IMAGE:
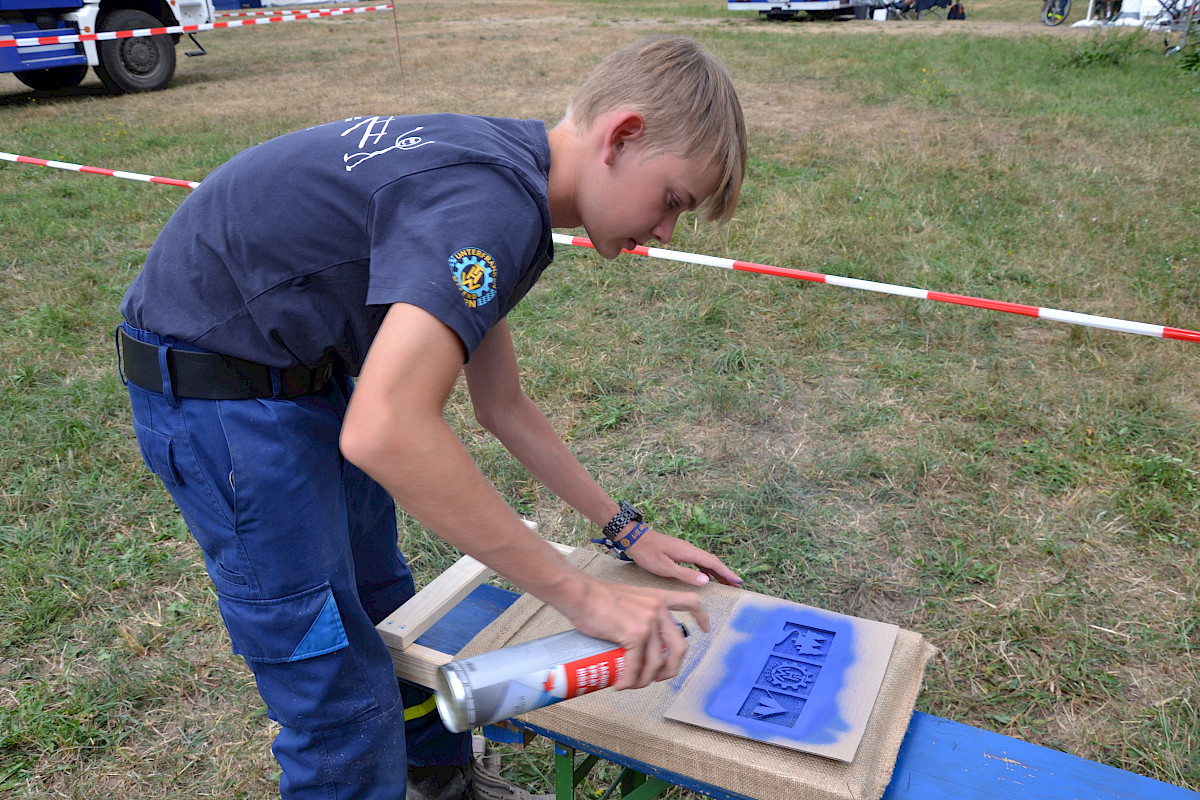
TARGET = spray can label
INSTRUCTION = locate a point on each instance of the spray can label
(584, 675)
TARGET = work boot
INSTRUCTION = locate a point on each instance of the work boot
(439, 783)
(478, 779)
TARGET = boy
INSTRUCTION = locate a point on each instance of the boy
(391, 249)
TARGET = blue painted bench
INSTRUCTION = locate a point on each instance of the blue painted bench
(938, 760)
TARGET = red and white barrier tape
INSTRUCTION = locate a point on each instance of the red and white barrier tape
(273, 11)
(1070, 317)
(112, 173)
(284, 16)
(226, 14)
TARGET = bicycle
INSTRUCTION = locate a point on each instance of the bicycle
(1178, 20)
(1054, 12)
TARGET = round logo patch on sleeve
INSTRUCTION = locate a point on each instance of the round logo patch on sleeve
(474, 271)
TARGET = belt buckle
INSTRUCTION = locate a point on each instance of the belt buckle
(318, 377)
(300, 381)
(322, 375)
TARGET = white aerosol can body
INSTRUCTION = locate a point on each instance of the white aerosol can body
(494, 686)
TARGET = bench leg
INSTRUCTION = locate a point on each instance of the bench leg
(567, 775)
(636, 786)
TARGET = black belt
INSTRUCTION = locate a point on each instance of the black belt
(211, 376)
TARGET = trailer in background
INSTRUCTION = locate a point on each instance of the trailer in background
(787, 9)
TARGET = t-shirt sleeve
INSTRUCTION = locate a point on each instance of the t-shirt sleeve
(455, 241)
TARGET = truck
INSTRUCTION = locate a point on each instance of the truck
(136, 64)
(787, 9)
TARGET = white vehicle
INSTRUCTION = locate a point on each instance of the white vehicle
(136, 64)
(786, 9)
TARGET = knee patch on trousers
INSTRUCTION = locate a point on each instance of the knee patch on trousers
(298, 650)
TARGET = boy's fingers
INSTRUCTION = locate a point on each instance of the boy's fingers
(683, 574)
(642, 664)
(632, 666)
(715, 568)
(668, 554)
(675, 647)
(686, 601)
(664, 652)
(659, 654)
(700, 615)
(724, 575)
(653, 660)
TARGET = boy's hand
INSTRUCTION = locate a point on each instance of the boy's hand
(664, 555)
(638, 619)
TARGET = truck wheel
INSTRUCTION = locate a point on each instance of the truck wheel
(52, 77)
(140, 64)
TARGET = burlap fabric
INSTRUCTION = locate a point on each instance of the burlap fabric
(631, 723)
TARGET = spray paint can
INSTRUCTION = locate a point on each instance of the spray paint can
(494, 686)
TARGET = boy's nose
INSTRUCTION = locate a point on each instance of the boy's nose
(665, 229)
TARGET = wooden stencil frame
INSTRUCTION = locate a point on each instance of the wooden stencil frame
(401, 629)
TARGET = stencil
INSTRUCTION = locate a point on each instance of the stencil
(801, 641)
(776, 709)
(790, 675)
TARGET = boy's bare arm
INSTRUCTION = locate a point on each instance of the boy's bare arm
(505, 410)
(395, 432)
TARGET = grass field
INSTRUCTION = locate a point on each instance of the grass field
(1024, 493)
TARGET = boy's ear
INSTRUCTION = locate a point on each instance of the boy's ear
(623, 129)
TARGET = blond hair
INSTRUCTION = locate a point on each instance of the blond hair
(688, 104)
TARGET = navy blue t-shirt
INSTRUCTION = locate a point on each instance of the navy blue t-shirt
(295, 248)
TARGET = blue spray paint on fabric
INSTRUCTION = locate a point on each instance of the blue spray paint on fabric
(783, 677)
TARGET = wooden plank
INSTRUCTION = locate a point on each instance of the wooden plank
(419, 664)
(401, 628)
(404, 625)
(460, 623)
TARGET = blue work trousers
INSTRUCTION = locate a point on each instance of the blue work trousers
(302, 548)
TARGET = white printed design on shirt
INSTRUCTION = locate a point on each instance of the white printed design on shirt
(374, 129)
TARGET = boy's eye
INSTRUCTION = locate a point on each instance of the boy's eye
(672, 201)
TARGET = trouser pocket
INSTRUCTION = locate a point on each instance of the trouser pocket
(308, 675)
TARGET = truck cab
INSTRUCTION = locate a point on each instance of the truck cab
(136, 64)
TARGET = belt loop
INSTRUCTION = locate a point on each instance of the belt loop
(120, 367)
(164, 367)
(277, 383)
